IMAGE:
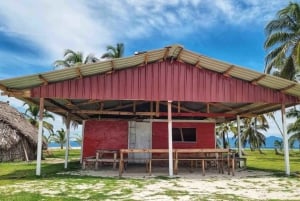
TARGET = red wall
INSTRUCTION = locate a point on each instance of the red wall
(104, 135)
(99, 134)
(205, 135)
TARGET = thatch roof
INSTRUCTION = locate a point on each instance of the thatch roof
(13, 126)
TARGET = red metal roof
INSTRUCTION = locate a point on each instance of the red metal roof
(162, 81)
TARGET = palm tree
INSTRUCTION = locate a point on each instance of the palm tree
(78, 139)
(283, 42)
(223, 130)
(72, 58)
(114, 52)
(32, 114)
(60, 137)
(252, 132)
(294, 128)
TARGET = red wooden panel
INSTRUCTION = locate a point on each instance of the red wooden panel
(104, 135)
(163, 81)
(205, 135)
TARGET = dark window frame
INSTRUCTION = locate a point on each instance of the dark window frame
(184, 135)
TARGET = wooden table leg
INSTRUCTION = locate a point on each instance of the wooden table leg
(203, 167)
(96, 163)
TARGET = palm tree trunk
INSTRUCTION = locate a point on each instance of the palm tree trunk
(224, 140)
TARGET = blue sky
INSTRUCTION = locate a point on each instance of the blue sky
(33, 34)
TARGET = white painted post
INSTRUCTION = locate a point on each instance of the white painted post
(285, 141)
(82, 134)
(40, 134)
(239, 135)
(67, 141)
(170, 138)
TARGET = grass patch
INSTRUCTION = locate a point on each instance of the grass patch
(271, 162)
(19, 182)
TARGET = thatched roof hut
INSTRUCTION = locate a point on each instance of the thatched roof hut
(18, 138)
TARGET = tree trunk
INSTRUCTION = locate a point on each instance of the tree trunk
(224, 140)
(61, 146)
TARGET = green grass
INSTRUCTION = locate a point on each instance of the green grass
(53, 186)
(269, 161)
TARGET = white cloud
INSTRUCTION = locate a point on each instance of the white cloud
(89, 26)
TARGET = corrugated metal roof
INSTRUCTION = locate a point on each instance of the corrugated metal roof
(175, 52)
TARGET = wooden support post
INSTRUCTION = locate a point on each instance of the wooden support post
(178, 107)
(157, 109)
(40, 133)
(151, 109)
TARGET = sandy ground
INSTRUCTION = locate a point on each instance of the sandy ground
(246, 184)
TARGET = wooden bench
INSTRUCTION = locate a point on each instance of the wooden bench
(88, 160)
(241, 159)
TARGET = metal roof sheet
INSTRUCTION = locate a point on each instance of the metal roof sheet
(175, 52)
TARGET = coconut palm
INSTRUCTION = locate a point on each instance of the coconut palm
(252, 134)
(114, 52)
(78, 139)
(223, 130)
(59, 137)
(32, 114)
(283, 42)
(72, 58)
(294, 128)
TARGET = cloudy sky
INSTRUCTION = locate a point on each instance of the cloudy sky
(33, 33)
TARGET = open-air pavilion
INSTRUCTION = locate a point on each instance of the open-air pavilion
(171, 85)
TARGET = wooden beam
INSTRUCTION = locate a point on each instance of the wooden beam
(255, 81)
(101, 106)
(134, 107)
(253, 109)
(166, 53)
(112, 65)
(157, 109)
(198, 114)
(179, 54)
(221, 106)
(151, 109)
(207, 108)
(181, 107)
(227, 72)
(67, 110)
(3, 88)
(197, 64)
(88, 102)
(146, 59)
(178, 107)
(123, 113)
(44, 80)
(17, 93)
(287, 88)
(78, 71)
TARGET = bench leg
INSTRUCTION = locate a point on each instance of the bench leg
(203, 167)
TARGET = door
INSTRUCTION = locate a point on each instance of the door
(140, 137)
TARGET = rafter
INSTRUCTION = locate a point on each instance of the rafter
(287, 88)
(179, 54)
(112, 65)
(78, 71)
(197, 64)
(255, 81)
(64, 108)
(43, 79)
(146, 59)
(3, 88)
(227, 71)
(166, 53)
